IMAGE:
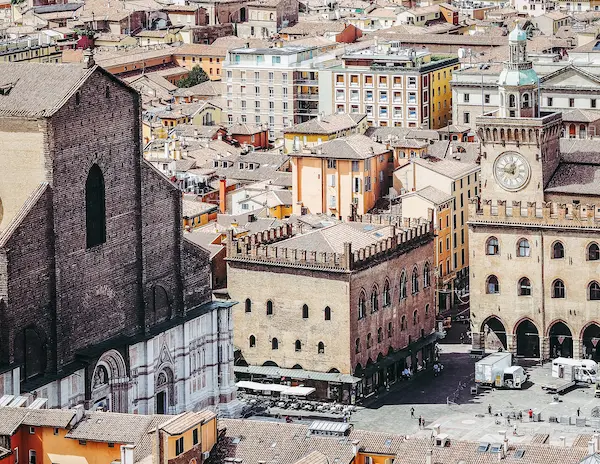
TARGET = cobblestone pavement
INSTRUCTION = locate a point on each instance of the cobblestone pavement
(467, 417)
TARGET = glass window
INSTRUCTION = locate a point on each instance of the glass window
(524, 287)
(492, 284)
(558, 250)
(558, 289)
(523, 248)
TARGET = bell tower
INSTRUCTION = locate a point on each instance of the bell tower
(520, 145)
(518, 82)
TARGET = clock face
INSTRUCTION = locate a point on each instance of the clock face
(512, 171)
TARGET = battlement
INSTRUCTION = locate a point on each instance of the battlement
(493, 129)
(545, 214)
(261, 248)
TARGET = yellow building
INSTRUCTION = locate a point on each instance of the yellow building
(159, 37)
(322, 129)
(210, 58)
(393, 86)
(459, 181)
(342, 177)
(20, 51)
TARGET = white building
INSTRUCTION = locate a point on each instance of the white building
(278, 86)
(258, 196)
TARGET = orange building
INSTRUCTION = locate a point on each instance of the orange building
(342, 177)
(51, 436)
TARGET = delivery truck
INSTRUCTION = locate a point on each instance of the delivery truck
(567, 373)
(580, 370)
(497, 370)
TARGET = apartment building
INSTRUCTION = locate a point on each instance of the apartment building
(460, 181)
(342, 177)
(393, 86)
(277, 86)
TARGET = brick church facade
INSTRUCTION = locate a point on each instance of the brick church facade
(102, 299)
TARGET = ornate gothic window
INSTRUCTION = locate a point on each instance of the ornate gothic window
(403, 282)
(362, 303)
(426, 275)
(593, 252)
(374, 299)
(594, 291)
(558, 250)
(387, 298)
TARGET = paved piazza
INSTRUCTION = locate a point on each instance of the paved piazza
(468, 418)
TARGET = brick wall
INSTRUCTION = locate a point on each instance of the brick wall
(30, 283)
(376, 275)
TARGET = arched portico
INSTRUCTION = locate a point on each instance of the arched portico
(494, 334)
(110, 383)
(590, 336)
(560, 339)
(527, 338)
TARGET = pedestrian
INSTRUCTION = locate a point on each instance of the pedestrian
(578, 411)
(515, 429)
(490, 409)
(421, 422)
(412, 413)
(508, 420)
(530, 414)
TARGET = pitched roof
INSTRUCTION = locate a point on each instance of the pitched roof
(38, 90)
(111, 427)
(449, 168)
(356, 146)
(245, 129)
(432, 194)
(331, 239)
(12, 418)
(186, 421)
(575, 178)
(578, 115)
(327, 124)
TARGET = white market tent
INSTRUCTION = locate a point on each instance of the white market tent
(271, 387)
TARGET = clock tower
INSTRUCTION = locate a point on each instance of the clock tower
(520, 145)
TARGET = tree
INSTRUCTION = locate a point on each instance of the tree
(195, 77)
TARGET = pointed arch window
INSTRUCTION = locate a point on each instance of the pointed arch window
(298, 345)
(379, 335)
(374, 299)
(403, 282)
(558, 250)
(594, 291)
(593, 253)
(558, 289)
(387, 297)
(269, 308)
(321, 348)
(362, 303)
(426, 275)
(252, 341)
(305, 312)
(248, 305)
(415, 281)
(274, 344)
(95, 208)
(327, 313)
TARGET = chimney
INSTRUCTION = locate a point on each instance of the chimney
(591, 447)
(78, 413)
(355, 447)
(88, 58)
(127, 454)
(195, 133)
(505, 446)
(563, 441)
(429, 457)
(223, 195)
(596, 438)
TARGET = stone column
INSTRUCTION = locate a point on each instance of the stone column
(478, 340)
(577, 348)
(511, 343)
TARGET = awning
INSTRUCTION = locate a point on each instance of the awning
(67, 459)
(298, 391)
(262, 386)
(298, 374)
(271, 387)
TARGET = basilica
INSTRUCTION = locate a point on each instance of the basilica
(103, 302)
(534, 231)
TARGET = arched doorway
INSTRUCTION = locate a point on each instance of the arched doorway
(590, 339)
(494, 334)
(561, 340)
(528, 339)
(110, 383)
(165, 391)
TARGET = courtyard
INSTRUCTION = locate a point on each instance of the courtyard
(448, 402)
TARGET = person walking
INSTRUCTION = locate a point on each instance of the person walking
(530, 414)
(578, 411)
(412, 413)
(490, 409)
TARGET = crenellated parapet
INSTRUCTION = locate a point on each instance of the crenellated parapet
(272, 251)
(545, 214)
(390, 219)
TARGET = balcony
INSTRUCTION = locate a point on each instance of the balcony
(307, 82)
(307, 96)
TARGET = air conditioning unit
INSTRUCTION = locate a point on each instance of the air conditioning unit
(205, 455)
